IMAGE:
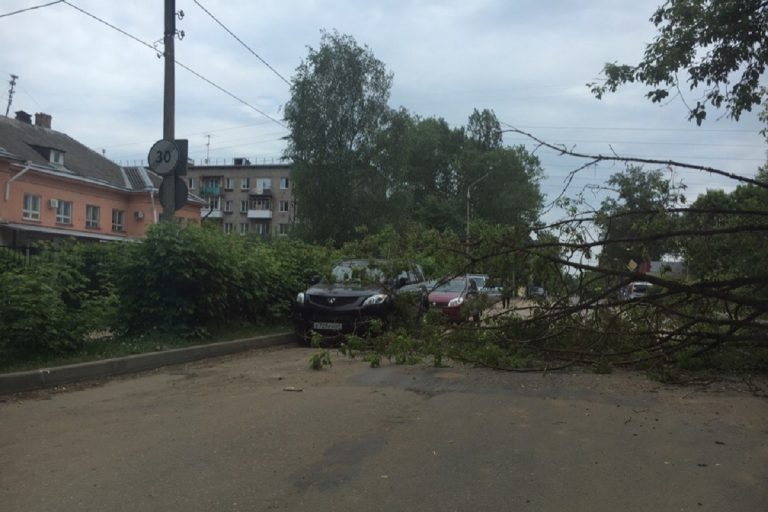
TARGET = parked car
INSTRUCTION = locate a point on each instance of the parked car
(455, 299)
(479, 279)
(636, 290)
(487, 287)
(356, 292)
(535, 292)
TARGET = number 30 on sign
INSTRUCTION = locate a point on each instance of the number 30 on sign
(163, 157)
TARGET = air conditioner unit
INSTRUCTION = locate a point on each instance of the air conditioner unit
(53, 203)
(138, 214)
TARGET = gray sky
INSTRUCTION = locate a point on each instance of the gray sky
(529, 61)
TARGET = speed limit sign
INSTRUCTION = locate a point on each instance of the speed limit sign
(163, 157)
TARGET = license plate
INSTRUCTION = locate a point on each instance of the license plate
(327, 326)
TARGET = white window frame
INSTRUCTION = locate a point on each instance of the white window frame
(118, 220)
(229, 183)
(214, 203)
(283, 206)
(64, 212)
(228, 203)
(228, 227)
(57, 157)
(284, 228)
(245, 183)
(191, 183)
(31, 208)
(244, 206)
(284, 183)
(91, 220)
(243, 228)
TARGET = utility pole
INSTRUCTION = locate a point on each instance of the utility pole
(168, 198)
(10, 93)
(468, 189)
(207, 149)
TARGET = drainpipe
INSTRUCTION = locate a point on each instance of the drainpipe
(154, 209)
(8, 185)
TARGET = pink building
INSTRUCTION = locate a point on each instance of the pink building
(53, 186)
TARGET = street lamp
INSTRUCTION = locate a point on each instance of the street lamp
(478, 180)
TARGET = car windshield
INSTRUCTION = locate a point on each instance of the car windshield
(479, 281)
(454, 285)
(357, 272)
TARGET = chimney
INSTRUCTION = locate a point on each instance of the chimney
(43, 120)
(23, 117)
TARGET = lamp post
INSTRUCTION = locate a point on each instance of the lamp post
(468, 189)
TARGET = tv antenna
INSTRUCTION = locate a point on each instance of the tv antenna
(10, 93)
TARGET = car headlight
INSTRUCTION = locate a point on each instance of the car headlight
(373, 300)
(300, 298)
(458, 301)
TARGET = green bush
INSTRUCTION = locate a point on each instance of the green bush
(187, 279)
(34, 318)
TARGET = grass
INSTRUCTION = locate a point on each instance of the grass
(107, 347)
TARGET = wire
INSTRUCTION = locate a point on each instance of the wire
(177, 63)
(614, 128)
(31, 8)
(241, 42)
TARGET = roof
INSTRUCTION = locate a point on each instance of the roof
(26, 142)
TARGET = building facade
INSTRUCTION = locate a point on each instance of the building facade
(55, 187)
(245, 198)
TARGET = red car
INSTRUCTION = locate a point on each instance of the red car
(453, 297)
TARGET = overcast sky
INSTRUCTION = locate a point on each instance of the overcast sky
(529, 61)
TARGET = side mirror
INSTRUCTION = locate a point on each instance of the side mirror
(402, 281)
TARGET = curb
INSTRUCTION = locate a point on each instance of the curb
(49, 377)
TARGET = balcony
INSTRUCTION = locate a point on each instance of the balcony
(259, 214)
(207, 213)
(261, 192)
(210, 190)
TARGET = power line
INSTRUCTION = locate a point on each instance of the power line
(241, 42)
(210, 82)
(31, 8)
(615, 128)
(638, 143)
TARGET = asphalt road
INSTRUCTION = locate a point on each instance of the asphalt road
(226, 435)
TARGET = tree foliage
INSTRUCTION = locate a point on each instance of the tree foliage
(636, 215)
(337, 109)
(720, 45)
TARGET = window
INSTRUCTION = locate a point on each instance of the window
(283, 182)
(64, 212)
(57, 157)
(118, 220)
(243, 228)
(261, 229)
(229, 183)
(263, 184)
(245, 183)
(283, 206)
(31, 209)
(261, 204)
(214, 203)
(191, 183)
(228, 206)
(92, 216)
(243, 206)
(284, 228)
(228, 227)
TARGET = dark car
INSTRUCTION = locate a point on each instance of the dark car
(536, 292)
(356, 292)
(455, 299)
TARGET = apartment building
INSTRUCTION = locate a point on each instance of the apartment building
(55, 187)
(245, 198)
